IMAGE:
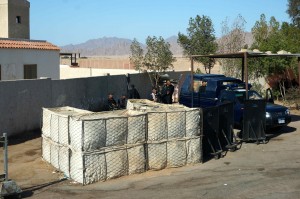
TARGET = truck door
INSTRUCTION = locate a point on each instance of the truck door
(184, 92)
(207, 94)
(269, 96)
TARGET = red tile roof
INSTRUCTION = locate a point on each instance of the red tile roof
(27, 44)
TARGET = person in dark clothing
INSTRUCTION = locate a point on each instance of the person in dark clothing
(133, 93)
(122, 102)
(167, 93)
(112, 104)
(203, 87)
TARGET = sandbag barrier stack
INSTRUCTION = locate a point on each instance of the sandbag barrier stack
(90, 147)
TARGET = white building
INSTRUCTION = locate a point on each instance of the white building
(20, 57)
(28, 59)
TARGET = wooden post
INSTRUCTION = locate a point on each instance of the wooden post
(192, 81)
(243, 69)
(246, 73)
(299, 73)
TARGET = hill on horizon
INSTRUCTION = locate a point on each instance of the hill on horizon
(114, 46)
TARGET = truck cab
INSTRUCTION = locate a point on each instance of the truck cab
(205, 91)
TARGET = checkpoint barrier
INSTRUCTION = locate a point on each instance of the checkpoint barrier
(211, 141)
(218, 124)
(226, 126)
(254, 121)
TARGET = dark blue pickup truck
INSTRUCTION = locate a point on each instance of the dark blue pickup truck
(211, 90)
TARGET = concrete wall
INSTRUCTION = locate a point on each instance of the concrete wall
(22, 100)
(12, 63)
(21, 103)
(87, 93)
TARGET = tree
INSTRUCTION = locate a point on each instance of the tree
(290, 36)
(266, 34)
(137, 53)
(157, 59)
(266, 38)
(232, 41)
(273, 36)
(200, 40)
(294, 11)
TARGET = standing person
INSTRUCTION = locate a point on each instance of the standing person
(203, 87)
(112, 104)
(153, 95)
(122, 102)
(133, 93)
(167, 92)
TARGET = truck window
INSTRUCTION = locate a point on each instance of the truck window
(240, 97)
(254, 95)
(227, 97)
(196, 85)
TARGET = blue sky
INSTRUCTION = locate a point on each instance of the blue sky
(76, 21)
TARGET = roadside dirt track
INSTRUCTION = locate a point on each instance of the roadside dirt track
(269, 170)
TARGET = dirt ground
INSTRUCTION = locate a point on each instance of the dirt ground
(262, 171)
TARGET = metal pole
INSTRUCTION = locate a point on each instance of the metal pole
(243, 69)
(192, 81)
(246, 74)
(5, 157)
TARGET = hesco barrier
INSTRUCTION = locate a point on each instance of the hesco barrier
(90, 147)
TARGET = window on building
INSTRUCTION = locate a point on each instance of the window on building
(18, 19)
(30, 71)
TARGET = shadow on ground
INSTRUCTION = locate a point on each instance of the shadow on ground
(28, 192)
(295, 118)
(23, 137)
(278, 132)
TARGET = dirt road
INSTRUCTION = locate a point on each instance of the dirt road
(269, 170)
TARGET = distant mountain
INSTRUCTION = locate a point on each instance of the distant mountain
(175, 47)
(102, 46)
(248, 39)
(114, 46)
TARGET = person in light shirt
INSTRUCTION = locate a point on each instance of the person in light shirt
(153, 95)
